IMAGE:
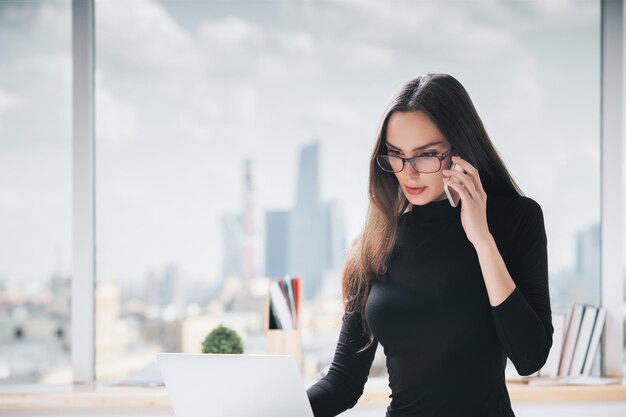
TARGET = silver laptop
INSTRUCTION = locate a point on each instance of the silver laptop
(241, 385)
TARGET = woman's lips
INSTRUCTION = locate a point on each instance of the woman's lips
(415, 191)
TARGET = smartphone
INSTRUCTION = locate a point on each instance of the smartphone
(453, 195)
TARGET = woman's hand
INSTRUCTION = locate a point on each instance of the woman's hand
(473, 198)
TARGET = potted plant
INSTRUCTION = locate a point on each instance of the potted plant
(222, 340)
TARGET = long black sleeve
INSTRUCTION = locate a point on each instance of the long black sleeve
(524, 320)
(342, 386)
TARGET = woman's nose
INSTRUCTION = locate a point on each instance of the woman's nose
(409, 171)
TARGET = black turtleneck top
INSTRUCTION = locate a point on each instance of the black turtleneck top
(446, 347)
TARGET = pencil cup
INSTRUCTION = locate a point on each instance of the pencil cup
(284, 342)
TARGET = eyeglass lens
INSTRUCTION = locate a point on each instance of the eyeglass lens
(426, 164)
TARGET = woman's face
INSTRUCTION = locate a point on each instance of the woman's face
(411, 134)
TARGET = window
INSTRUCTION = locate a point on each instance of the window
(35, 192)
(219, 122)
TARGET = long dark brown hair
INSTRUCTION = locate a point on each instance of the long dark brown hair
(448, 105)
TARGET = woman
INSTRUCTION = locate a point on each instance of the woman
(449, 292)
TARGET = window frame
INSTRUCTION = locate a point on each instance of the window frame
(83, 193)
(611, 185)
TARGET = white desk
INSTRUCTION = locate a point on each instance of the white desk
(103, 400)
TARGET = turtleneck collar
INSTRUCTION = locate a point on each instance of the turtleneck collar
(440, 209)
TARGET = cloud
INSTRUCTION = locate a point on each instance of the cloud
(8, 201)
(234, 47)
(244, 102)
(141, 35)
(128, 189)
(366, 55)
(525, 93)
(274, 67)
(333, 112)
(36, 73)
(558, 8)
(296, 41)
(115, 119)
(9, 101)
(231, 32)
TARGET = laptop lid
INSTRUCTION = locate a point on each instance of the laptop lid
(237, 385)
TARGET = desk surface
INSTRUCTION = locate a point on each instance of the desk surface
(376, 393)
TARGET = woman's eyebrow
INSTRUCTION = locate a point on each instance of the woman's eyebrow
(414, 149)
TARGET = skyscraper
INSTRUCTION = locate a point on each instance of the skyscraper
(232, 259)
(276, 243)
(308, 240)
(249, 232)
(588, 262)
(335, 236)
(307, 255)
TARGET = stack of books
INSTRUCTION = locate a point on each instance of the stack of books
(284, 303)
(574, 345)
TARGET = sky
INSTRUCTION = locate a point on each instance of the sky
(186, 90)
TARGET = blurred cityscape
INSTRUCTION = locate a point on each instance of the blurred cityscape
(168, 312)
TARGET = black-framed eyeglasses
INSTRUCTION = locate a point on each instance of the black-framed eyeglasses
(421, 164)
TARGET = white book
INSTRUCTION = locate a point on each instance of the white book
(551, 367)
(290, 299)
(571, 335)
(584, 337)
(595, 340)
(279, 304)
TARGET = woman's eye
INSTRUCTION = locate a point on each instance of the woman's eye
(429, 154)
